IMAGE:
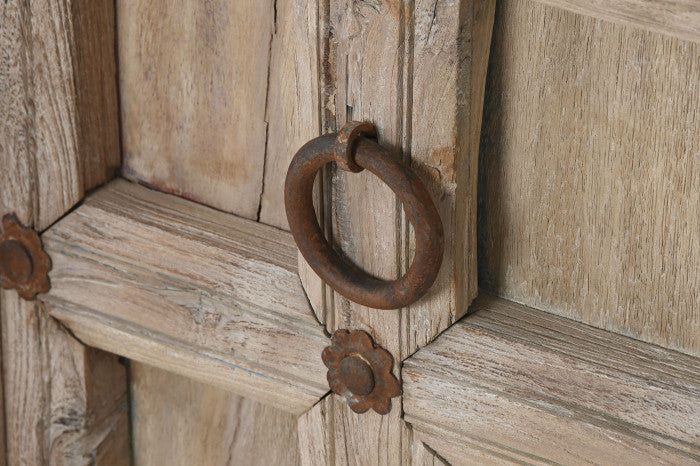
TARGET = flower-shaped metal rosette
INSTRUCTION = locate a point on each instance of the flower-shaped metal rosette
(24, 265)
(360, 371)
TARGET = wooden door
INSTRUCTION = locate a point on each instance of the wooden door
(148, 141)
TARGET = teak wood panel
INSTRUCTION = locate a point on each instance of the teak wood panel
(589, 186)
(87, 403)
(193, 86)
(210, 426)
(677, 18)
(59, 136)
(216, 97)
(175, 284)
(511, 383)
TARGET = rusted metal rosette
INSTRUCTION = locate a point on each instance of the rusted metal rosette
(360, 371)
(24, 265)
(353, 150)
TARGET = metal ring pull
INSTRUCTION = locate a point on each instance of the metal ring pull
(353, 151)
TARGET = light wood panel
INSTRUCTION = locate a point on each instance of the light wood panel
(178, 421)
(175, 284)
(590, 186)
(58, 137)
(75, 396)
(87, 402)
(677, 18)
(417, 72)
(193, 83)
(513, 383)
(292, 111)
(423, 455)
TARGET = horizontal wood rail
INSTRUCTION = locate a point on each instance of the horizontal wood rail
(676, 18)
(175, 284)
(511, 382)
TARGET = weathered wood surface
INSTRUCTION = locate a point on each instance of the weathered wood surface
(417, 72)
(193, 83)
(246, 78)
(322, 443)
(677, 18)
(589, 174)
(423, 455)
(292, 111)
(190, 423)
(87, 404)
(59, 136)
(519, 384)
(68, 405)
(60, 125)
(178, 285)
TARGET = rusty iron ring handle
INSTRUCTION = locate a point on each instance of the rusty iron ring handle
(353, 151)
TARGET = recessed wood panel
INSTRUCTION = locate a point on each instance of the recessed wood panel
(193, 83)
(589, 173)
(178, 421)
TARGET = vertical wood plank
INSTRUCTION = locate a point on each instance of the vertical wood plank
(178, 421)
(87, 401)
(368, 58)
(291, 112)
(416, 70)
(26, 393)
(316, 445)
(193, 83)
(58, 137)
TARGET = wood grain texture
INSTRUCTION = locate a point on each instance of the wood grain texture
(330, 434)
(315, 435)
(175, 284)
(589, 185)
(319, 437)
(417, 72)
(58, 138)
(60, 133)
(24, 387)
(522, 385)
(246, 74)
(292, 111)
(193, 81)
(423, 455)
(3, 441)
(209, 427)
(677, 18)
(66, 402)
(88, 408)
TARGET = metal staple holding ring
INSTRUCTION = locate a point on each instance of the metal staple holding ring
(354, 149)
